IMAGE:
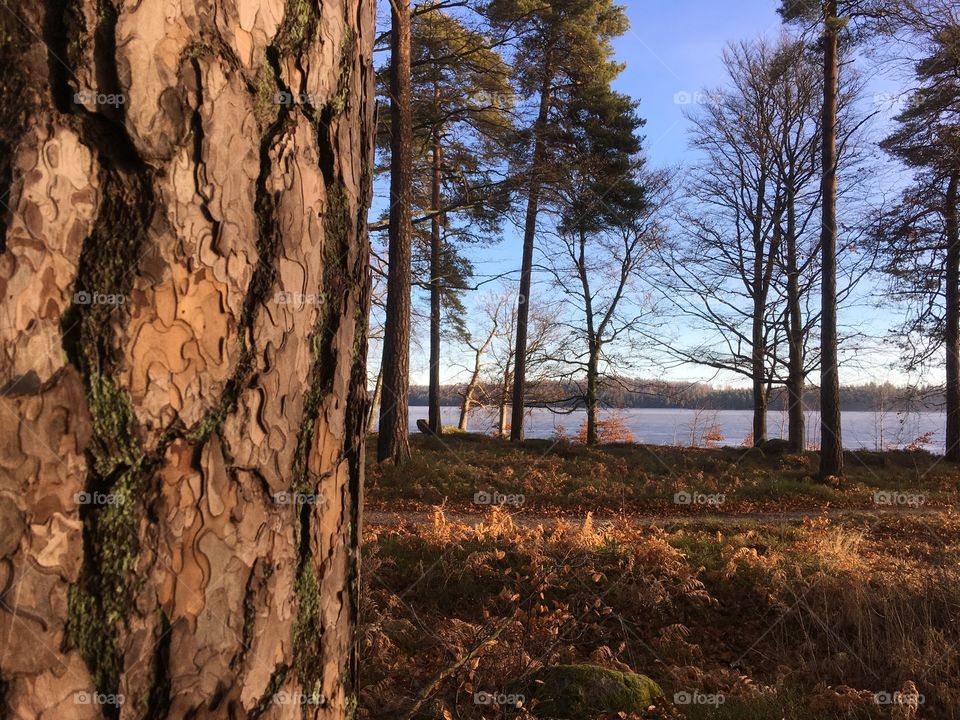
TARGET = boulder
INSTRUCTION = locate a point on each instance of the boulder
(775, 446)
(573, 692)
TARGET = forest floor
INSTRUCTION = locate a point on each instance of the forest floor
(739, 585)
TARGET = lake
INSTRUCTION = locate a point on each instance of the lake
(668, 426)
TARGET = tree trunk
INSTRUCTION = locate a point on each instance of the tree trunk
(759, 409)
(436, 426)
(592, 338)
(474, 383)
(393, 442)
(375, 402)
(465, 405)
(504, 405)
(795, 372)
(592, 373)
(526, 267)
(758, 351)
(831, 444)
(758, 291)
(184, 290)
(468, 397)
(952, 320)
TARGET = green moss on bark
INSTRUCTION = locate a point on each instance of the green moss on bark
(118, 468)
(307, 633)
(298, 27)
(98, 603)
(266, 109)
(113, 442)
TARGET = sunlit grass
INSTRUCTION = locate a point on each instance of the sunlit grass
(784, 620)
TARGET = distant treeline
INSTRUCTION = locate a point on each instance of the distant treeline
(658, 394)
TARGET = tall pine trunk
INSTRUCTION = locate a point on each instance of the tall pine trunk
(952, 320)
(434, 421)
(184, 283)
(393, 442)
(831, 443)
(526, 267)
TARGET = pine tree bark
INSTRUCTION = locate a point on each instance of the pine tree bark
(433, 413)
(831, 443)
(952, 321)
(526, 266)
(184, 290)
(393, 442)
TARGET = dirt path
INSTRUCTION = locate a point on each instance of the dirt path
(382, 518)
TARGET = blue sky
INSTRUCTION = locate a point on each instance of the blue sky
(674, 48)
(671, 51)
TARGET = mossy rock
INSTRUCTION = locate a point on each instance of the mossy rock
(573, 692)
(775, 446)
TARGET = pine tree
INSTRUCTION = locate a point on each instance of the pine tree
(559, 46)
(461, 119)
(831, 444)
(602, 204)
(833, 18)
(393, 442)
(920, 238)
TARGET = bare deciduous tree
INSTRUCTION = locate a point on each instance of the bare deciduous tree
(599, 275)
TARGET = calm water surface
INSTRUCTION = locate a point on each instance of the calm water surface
(870, 430)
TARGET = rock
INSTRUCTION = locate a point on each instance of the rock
(774, 446)
(572, 692)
